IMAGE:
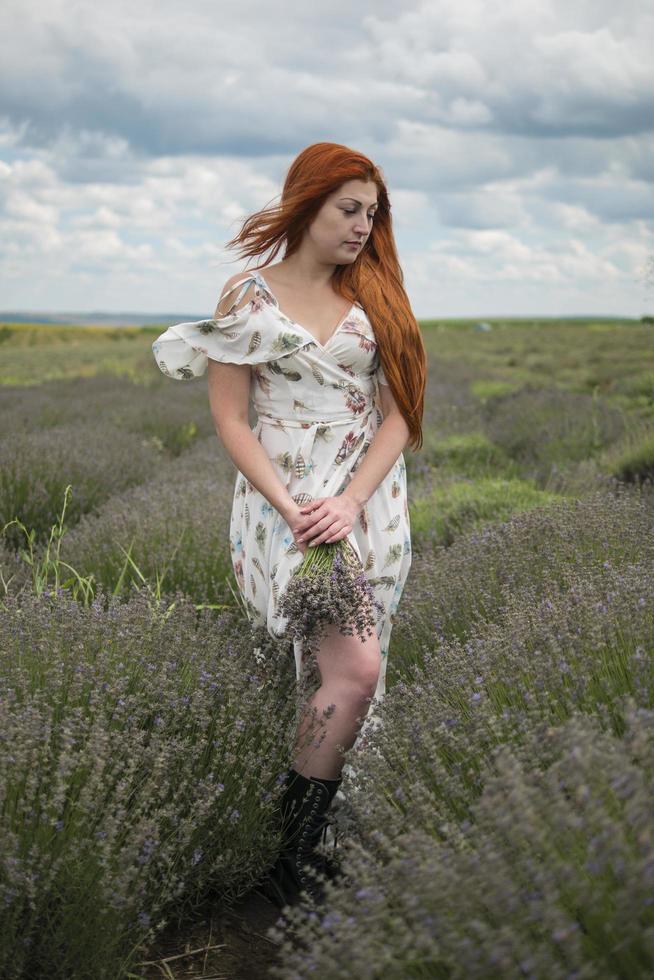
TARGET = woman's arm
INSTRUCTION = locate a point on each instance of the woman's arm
(229, 396)
(229, 393)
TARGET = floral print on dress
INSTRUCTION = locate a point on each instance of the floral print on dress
(318, 411)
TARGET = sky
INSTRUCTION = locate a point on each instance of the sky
(516, 139)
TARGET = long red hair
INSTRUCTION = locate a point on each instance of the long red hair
(374, 279)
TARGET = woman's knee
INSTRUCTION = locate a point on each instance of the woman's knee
(362, 671)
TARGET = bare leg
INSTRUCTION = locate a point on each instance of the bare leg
(349, 670)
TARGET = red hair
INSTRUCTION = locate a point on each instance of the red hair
(374, 279)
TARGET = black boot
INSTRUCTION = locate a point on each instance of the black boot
(304, 807)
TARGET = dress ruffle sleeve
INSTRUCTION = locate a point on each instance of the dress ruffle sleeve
(183, 350)
(381, 377)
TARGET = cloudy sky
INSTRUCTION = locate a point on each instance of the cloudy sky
(516, 138)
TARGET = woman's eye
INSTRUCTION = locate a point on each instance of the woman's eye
(354, 212)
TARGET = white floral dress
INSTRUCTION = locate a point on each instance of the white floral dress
(318, 412)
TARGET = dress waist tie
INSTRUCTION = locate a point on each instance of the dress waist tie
(311, 423)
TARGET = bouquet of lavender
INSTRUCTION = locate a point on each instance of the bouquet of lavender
(329, 586)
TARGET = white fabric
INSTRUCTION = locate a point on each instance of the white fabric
(318, 412)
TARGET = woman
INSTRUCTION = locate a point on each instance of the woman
(326, 345)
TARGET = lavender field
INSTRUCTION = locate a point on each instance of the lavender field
(498, 823)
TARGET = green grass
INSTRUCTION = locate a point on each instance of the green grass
(456, 508)
(614, 357)
(33, 353)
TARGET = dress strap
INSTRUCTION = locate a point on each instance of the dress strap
(245, 283)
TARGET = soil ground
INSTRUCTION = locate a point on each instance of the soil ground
(217, 944)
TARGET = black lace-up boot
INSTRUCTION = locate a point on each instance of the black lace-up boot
(304, 807)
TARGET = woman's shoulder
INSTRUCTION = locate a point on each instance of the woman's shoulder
(231, 298)
(240, 332)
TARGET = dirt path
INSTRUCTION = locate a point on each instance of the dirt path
(217, 945)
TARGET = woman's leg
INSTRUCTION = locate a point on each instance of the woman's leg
(349, 670)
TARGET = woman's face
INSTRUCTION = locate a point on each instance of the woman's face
(346, 216)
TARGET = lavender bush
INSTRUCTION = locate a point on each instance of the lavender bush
(35, 468)
(451, 412)
(175, 527)
(632, 459)
(539, 552)
(497, 823)
(469, 852)
(135, 775)
(14, 572)
(539, 428)
(550, 657)
(145, 409)
(549, 876)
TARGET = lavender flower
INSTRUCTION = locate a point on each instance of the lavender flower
(329, 586)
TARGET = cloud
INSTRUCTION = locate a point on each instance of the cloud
(517, 140)
(530, 68)
(214, 84)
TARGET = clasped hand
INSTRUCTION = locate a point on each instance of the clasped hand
(325, 519)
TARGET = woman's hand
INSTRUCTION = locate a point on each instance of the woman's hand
(292, 516)
(325, 519)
